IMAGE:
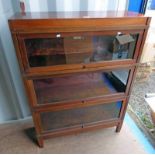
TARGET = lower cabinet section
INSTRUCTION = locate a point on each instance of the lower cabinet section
(80, 117)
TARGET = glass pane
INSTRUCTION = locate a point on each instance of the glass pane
(101, 112)
(79, 49)
(80, 86)
(74, 117)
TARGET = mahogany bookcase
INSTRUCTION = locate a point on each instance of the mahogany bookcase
(78, 67)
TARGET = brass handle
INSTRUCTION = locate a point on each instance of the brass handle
(58, 35)
(119, 33)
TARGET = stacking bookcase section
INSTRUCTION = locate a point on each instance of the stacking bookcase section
(78, 67)
(80, 117)
(82, 50)
(79, 87)
(75, 48)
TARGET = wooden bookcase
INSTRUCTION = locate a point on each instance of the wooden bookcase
(78, 67)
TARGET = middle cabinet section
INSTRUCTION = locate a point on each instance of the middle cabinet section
(81, 87)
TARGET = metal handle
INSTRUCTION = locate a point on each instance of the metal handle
(119, 33)
(58, 35)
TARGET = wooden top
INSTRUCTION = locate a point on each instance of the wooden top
(46, 22)
(75, 15)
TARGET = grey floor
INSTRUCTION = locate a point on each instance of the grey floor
(14, 139)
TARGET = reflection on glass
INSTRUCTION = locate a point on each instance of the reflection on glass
(80, 116)
(80, 86)
(79, 49)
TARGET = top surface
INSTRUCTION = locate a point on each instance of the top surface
(74, 15)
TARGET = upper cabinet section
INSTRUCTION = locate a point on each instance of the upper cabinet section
(77, 48)
(79, 41)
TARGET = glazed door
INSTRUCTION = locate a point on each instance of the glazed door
(83, 88)
(80, 50)
(80, 117)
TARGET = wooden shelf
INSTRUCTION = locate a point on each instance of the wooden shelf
(58, 59)
(80, 116)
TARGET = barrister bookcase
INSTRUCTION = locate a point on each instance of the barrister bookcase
(78, 67)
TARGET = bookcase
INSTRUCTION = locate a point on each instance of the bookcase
(78, 67)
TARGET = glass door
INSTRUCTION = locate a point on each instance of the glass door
(66, 49)
(80, 117)
(81, 87)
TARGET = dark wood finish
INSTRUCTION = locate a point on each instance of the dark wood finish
(56, 113)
